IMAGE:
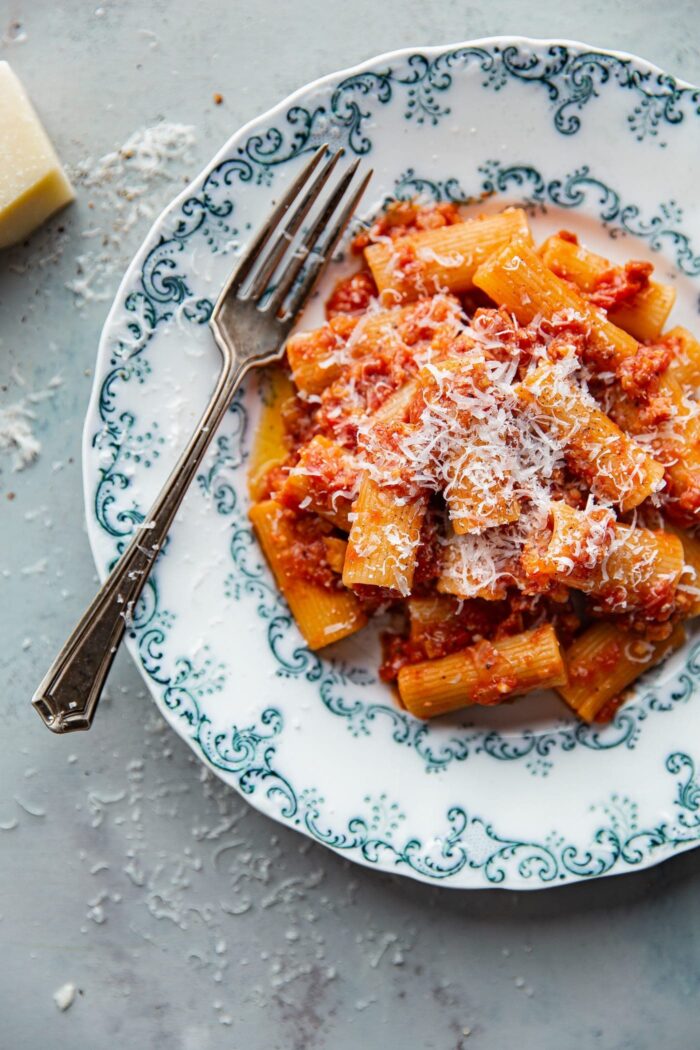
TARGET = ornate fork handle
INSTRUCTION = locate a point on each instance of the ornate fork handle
(68, 695)
(251, 320)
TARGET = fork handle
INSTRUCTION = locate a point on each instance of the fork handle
(68, 696)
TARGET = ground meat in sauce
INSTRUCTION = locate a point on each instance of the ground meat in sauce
(352, 295)
(330, 473)
(606, 659)
(638, 373)
(428, 556)
(324, 341)
(525, 611)
(397, 652)
(403, 217)
(567, 235)
(365, 387)
(272, 482)
(306, 557)
(505, 339)
(654, 603)
(571, 490)
(298, 418)
(474, 300)
(620, 285)
(468, 622)
(471, 621)
(637, 623)
(474, 620)
(369, 378)
(685, 509)
(611, 707)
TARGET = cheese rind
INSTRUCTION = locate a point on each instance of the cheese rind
(33, 184)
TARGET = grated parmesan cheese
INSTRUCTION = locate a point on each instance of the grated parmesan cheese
(123, 189)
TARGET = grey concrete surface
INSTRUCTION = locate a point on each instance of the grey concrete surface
(185, 920)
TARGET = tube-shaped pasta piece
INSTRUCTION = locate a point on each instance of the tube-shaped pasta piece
(426, 612)
(449, 583)
(613, 465)
(473, 504)
(324, 480)
(432, 621)
(446, 258)
(478, 465)
(316, 357)
(517, 279)
(675, 441)
(269, 448)
(335, 552)
(440, 624)
(322, 615)
(624, 567)
(605, 660)
(686, 364)
(689, 585)
(573, 262)
(395, 408)
(681, 450)
(384, 538)
(485, 673)
(469, 571)
(643, 317)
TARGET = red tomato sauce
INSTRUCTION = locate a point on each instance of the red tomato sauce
(620, 285)
(306, 558)
(352, 295)
(403, 217)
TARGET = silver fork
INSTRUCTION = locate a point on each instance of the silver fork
(250, 325)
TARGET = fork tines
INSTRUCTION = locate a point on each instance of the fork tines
(280, 283)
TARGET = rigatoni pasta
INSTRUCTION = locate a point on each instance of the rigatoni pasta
(686, 359)
(517, 279)
(445, 258)
(324, 480)
(485, 673)
(621, 566)
(476, 470)
(383, 540)
(323, 614)
(315, 357)
(614, 466)
(632, 301)
(667, 419)
(497, 446)
(604, 661)
(270, 448)
(689, 583)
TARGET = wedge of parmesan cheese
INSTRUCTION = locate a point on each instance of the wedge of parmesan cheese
(33, 184)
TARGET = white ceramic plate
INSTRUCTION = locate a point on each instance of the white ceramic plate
(521, 796)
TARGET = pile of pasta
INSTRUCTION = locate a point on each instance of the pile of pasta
(495, 447)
